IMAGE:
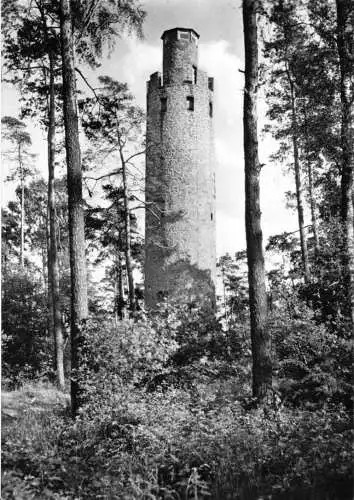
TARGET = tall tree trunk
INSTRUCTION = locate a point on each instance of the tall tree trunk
(79, 309)
(50, 319)
(345, 42)
(53, 265)
(22, 228)
(260, 339)
(116, 302)
(224, 297)
(127, 228)
(314, 222)
(120, 293)
(298, 184)
(44, 263)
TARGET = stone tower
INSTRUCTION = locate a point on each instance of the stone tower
(180, 180)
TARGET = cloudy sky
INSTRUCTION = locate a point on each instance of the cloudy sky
(219, 24)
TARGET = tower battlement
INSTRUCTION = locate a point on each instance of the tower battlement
(155, 81)
(180, 180)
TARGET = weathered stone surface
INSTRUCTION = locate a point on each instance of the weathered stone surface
(180, 179)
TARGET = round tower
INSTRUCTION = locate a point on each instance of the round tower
(180, 181)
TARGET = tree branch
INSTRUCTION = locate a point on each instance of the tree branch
(115, 172)
(134, 155)
(87, 83)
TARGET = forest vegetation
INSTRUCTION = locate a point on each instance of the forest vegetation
(102, 400)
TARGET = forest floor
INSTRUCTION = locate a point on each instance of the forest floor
(26, 430)
(15, 404)
(167, 445)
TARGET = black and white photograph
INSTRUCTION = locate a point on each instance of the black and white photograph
(177, 253)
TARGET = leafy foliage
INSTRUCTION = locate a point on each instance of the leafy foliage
(26, 349)
(99, 24)
(235, 286)
(175, 444)
(312, 363)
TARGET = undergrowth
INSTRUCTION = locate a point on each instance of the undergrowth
(176, 445)
(157, 425)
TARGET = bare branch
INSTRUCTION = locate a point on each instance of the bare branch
(87, 83)
(115, 172)
(134, 155)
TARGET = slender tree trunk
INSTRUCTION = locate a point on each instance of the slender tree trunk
(298, 184)
(22, 224)
(53, 265)
(345, 42)
(260, 339)
(45, 272)
(44, 266)
(50, 320)
(22, 228)
(79, 309)
(44, 251)
(225, 301)
(314, 223)
(116, 302)
(127, 228)
(120, 293)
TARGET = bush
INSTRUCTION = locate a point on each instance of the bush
(312, 364)
(196, 440)
(135, 438)
(125, 356)
(26, 349)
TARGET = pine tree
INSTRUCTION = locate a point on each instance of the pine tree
(260, 339)
(114, 125)
(15, 132)
(79, 308)
(345, 30)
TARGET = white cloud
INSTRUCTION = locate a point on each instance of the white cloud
(230, 233)
(220, 63)
(139, 62)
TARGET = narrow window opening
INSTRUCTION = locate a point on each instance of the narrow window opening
(195, 74)
(211, 216)
(190, 100)
(210, 109)
(163, 104)
(183, 35)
